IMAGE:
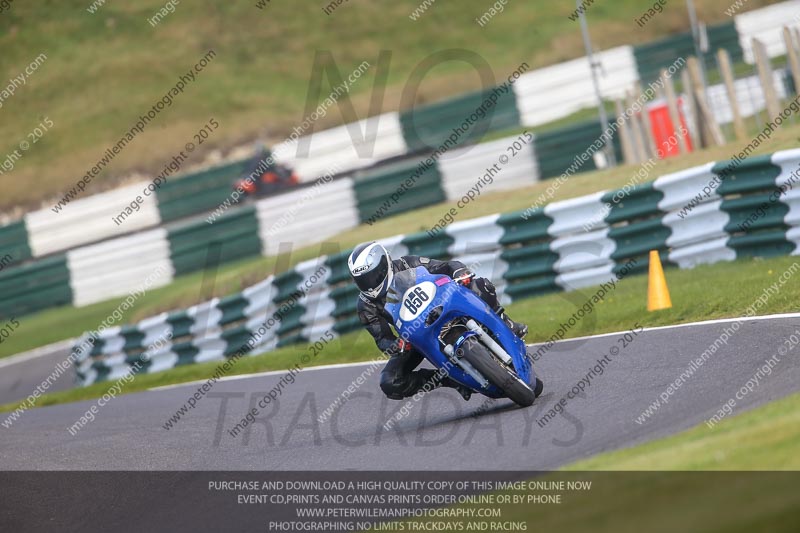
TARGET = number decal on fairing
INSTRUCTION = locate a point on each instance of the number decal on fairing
(416, 299)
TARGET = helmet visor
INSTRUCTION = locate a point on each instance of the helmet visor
(374, 277)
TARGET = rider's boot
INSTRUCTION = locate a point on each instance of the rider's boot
(519, 329)
(465, 392)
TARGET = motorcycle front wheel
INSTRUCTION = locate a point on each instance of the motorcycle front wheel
(498, 374)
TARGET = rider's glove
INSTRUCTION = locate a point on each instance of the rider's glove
(402, 345)
(463, 276)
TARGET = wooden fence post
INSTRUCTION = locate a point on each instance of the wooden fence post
(636, 131)
(765, 75)
(727, 75)
(628, 152)
(706, 117)
(674, 112)
(792, 56)
(647, 126)
(691, 104)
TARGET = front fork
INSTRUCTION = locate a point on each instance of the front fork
(465, 366)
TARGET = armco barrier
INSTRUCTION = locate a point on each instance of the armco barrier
(307, 215)
(558, 149)
(345, 148)
(28, 288)
(537, 97)
(89, 219)
(232, 236)
(556, 91)
(525, 254)
(199, 192)
(397, 188)
(766, 25)
(14, 247)
(463, 167)
(281, 309)
(116, 267)
(301, 216)
(427, 127)
(653, 56)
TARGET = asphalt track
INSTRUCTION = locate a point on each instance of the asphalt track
(21, 374)
(439, 432)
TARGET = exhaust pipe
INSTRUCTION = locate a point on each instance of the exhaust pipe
(490, 342)
(466, 367)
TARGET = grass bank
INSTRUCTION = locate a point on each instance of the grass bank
(697, 294)
(61, 323)
(107, 67)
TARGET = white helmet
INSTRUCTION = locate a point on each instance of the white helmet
(371, 268)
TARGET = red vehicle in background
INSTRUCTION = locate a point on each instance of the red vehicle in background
(275, 178)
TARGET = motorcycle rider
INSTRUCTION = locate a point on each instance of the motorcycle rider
(373, 269)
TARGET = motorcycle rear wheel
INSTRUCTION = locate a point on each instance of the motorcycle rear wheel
(497, 373)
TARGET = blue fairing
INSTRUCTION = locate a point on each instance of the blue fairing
(415, 293)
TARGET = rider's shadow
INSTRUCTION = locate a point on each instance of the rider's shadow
(487, 408)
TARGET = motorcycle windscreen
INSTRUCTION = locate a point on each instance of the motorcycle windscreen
(402, 281)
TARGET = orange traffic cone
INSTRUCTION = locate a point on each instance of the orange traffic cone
(657, 291)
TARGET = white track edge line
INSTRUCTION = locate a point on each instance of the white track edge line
(598, 336)
(35, 353)
(676, 326)
(267, 373)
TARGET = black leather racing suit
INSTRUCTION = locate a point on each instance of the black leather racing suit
(398, 378)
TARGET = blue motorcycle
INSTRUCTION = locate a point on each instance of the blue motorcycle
(461, 335)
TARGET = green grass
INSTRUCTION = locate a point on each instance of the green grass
(697, 294)
(632, 492)
(105, 69)
(766, 438)
(739, 476)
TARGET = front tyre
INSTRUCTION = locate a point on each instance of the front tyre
(498, 374)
